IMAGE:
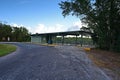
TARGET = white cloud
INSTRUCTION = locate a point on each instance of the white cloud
(16, 25)
(76, 26)
(41, 28)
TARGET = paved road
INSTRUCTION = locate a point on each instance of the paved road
(34, 62)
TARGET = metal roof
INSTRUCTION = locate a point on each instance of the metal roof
(63, 33)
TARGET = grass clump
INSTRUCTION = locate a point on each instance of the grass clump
(6, 49)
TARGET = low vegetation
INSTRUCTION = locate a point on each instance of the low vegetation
(6, 49)
(72, 40)
(106, 60)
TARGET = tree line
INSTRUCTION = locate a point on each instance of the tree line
(102, 18)
(10, 33)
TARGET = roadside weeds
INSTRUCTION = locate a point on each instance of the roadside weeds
(109, 62)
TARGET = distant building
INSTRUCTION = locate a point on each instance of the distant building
(50, 37)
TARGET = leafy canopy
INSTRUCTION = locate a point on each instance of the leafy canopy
(102, 16)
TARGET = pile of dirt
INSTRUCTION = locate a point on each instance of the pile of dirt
(109, 62)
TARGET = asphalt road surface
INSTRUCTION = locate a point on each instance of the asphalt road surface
(35, 62)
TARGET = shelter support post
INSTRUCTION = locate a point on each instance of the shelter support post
(76, 40)
(81, 40)
(49, 39)
(62, 39)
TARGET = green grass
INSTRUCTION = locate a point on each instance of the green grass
(6, 49)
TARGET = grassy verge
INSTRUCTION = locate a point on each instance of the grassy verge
(6, 49)
(106, 60)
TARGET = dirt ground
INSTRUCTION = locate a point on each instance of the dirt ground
(109, 62)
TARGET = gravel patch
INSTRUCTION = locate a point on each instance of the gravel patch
(35, 62)
(80, 57)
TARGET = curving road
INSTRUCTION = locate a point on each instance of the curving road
(35, 62)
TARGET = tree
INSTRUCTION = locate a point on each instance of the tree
(102, 16)
(1, 31)
(24, 34)
(20, 34)
(14, 33)
(5, 31)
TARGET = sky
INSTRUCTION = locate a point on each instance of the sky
(38, 16)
